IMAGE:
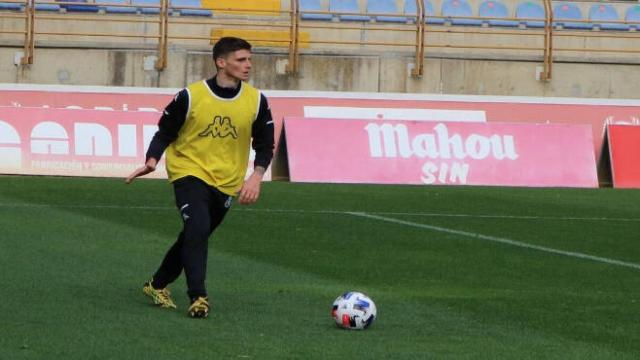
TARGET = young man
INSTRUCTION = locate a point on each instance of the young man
(206, 131)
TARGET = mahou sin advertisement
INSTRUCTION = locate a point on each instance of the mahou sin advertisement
(452, 153)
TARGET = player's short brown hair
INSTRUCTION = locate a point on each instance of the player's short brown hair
(227, 45)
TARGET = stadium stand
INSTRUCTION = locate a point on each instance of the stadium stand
(385, 7)
(312, 5)
(176, 8)
(268, 32)
(599, 14)
(78, 6)
(633, 16)
(410, 8)
(457, 10)
(347, 6)
(530, 10)
(494, 13)
(569, 11)
(497, 12)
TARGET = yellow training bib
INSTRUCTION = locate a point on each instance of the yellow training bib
(213, 144)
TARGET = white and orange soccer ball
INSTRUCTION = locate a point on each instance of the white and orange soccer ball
(354, 310)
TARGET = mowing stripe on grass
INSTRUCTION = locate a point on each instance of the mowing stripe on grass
(397, 221)
(479, 216)
(499, 240)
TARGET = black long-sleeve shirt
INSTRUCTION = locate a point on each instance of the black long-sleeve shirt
(175, 115)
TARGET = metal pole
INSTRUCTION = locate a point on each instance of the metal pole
(292, 67)
(548, 41)
(161, 62)
(29, 43)
(418, 69)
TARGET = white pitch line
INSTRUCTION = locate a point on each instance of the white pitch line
(499, 240)
(299, 211)
(515, 217)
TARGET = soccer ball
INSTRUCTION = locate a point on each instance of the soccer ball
(354, 310)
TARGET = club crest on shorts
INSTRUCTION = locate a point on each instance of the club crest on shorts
(227, 204)
(183, 212)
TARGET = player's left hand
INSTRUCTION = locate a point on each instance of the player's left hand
(250, 190)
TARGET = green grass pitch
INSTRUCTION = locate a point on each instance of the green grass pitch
(456, 272)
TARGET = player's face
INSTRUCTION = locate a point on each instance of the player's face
(237, 65)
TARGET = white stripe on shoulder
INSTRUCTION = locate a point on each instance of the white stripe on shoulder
(259, 101)
(206, 86)
(189, 102)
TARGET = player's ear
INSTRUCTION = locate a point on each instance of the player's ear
(220, 62)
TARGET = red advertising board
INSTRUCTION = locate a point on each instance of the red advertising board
(453, 153)
(532, 110)
(624, 152)
(74, 142)
(441, 108)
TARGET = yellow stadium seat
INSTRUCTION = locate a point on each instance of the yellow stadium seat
(254, 7)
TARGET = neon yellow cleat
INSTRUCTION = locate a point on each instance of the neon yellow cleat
(199, 308)
(160, 297)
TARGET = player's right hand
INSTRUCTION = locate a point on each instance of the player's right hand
(149, 167)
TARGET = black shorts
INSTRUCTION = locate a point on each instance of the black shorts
(200, 203)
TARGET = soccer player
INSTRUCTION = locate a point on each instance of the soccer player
(206, 132)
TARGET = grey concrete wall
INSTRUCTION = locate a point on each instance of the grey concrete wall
(367, 73)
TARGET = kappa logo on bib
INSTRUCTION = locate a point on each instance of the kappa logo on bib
(220, 127)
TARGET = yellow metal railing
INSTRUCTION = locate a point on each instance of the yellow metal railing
(164, 28)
